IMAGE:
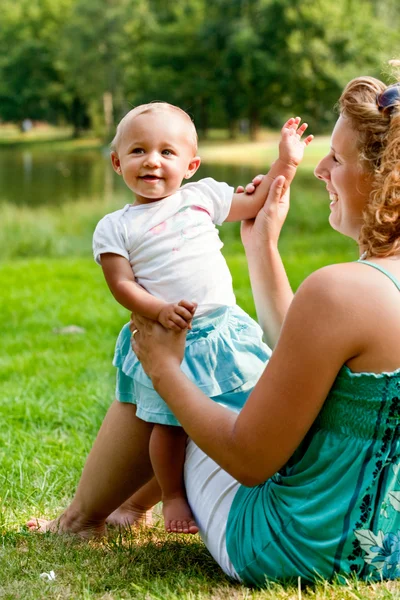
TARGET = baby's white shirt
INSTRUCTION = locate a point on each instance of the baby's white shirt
(173, 245)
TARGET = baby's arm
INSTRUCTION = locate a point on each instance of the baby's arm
(291, 151)
(121, 281)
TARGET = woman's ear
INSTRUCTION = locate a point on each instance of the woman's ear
(116, 164)
(193, 166)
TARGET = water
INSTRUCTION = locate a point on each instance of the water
(35, 177)
(41, 177)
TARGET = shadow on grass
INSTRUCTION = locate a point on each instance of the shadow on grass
(141, 563)
(145, 563)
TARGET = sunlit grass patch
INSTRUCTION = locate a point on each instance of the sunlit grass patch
(259, 154)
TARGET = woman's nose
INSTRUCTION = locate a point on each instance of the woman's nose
(321, 171)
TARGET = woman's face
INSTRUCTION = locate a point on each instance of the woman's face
(348, 185)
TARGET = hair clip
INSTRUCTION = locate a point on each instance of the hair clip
(387, 100)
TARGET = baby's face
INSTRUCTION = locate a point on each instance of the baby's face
(155, 153)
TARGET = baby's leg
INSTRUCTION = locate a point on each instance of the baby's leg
(167, 452)
(137, 510)
(117, 466)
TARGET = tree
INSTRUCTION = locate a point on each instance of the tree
(31, 80)
(94, 53)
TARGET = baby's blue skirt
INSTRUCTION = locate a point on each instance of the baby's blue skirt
(225, 356)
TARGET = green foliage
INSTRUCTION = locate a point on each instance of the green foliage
(31, 79)
(88, 61)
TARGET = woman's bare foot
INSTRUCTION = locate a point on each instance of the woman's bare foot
(178, 517)
(129, 515)
(67, 524)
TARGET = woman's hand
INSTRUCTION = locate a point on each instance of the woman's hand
(267, 226)
(157, 348)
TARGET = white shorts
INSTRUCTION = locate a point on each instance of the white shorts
(210, 491)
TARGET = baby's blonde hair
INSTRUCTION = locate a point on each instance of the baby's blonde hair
(379, 152)
(155, 107)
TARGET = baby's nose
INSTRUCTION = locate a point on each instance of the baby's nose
(153, 159)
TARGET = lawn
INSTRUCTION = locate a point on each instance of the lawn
(55, 388)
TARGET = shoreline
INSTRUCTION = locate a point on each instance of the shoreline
(257, 154)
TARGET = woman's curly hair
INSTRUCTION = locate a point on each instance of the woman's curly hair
(379, 152)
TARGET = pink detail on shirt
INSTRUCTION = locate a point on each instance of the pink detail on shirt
(201, 209)
(158, 228)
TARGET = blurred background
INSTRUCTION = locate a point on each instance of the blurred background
(70, 69)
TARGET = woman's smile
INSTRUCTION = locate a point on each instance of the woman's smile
(333, 199)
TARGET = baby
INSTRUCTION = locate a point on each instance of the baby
(161, 257)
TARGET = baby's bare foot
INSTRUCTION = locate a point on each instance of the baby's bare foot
(66, 523)
(178, 517)
(129, 514)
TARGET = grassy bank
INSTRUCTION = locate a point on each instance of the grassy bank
(260, 153)
(45, 135)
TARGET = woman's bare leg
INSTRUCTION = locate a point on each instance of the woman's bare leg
(117, 466)
(137, 510)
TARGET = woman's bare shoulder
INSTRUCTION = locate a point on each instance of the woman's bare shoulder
(345, 291)
(336, 280)
(343, 278)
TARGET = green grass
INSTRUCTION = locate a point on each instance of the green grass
(55, 390)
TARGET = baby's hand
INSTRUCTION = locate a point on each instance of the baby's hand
(291, 146)
(177, 316)
(250, 187)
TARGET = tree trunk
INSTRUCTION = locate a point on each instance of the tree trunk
(203, 119)
(108, 114)
(254, 124)
(232, 129)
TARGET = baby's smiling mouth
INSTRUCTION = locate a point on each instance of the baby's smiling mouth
(150, 177)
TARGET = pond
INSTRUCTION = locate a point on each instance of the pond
(51, 200)
(35, 177)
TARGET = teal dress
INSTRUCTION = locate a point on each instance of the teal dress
(335, 506)
(224, 356)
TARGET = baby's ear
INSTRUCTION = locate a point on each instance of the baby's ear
(116, 162)
(193, 166)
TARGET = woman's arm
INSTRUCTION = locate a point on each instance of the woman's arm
(271, 288)
(316, 340)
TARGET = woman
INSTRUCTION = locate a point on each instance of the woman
(304, 480)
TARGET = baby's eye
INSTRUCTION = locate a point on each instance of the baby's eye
(137, 151)
(167, 152)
